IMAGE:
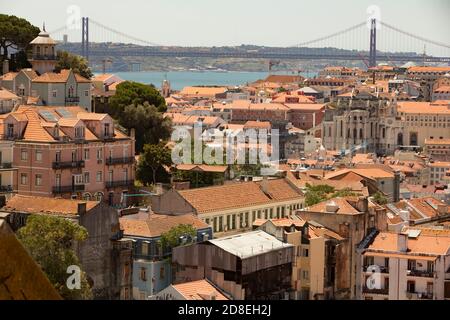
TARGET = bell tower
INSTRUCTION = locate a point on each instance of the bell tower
(43, 57)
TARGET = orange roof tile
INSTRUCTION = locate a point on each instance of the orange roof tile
(33, 204)
(199, 290)
(344, 206)
(157, 224)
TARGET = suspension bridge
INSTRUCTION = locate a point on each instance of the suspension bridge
(372, 42)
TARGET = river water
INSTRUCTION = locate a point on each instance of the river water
(180, 79)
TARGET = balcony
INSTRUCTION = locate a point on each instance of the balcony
(72, 99)
(419, 295)
(116, 184)
(68, 164)
(376, 291)
(6, 165)
(43, 57)
(122, 160)
(7, 189)
(67, 189)
(383, 269)
(420, 273)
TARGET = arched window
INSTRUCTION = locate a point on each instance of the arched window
(355, 135)
(98, 196)
(329, 131)
(87, 196)
(413, 140)
(361, 133)
(342, 128)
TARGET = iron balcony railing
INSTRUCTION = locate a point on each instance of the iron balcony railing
(43, 57)
(121, 160)
(420, 273)
(6, 165)
(123, 183)
(376, 291)
(68, 189)
(68, 164)
(72, 99)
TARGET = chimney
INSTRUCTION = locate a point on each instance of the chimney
(402, 242)
(81, 209)
(5, 66)
(442, 209)
(265, 185)
(396, 196)
(132, 133)
(404, 214)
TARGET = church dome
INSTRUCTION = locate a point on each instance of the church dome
(43, 38)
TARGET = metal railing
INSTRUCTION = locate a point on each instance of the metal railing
(120, 160)
(72, 99)
(123, 183)
(421, 273)
(68, 164)
(68, 189)
(376, 291)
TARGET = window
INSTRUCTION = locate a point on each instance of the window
(305, 252)
(161, 273)
(220, 224)
(99, 176)
(86, 154)
(79, 132)
(23, 178)
(99, 154)
(144, 248)
(411, 286)
(106, 130)
(305, 275)
(86, 177)
(58, 156)
(125, 174)
(86, 93)
(58, 180)
(411, 264)
(430, 266)
(110, 175)
(54, 93)
(143, 274)
(38, 180)
(10, 130)
(23, 155)
(78, 179)
(38, 155)
(233, 221)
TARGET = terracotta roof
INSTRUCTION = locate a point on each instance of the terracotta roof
(372, 173)
(344, 207)
(203, 91)
(91, 116)
(33, 204)
(61, 77)
(437, 141)
(199, 290)
(422, 108)
(423, 244)
(239, 195)
(429, 69)
(257, 125)
(305, 106)
(283, 78)
(282, 222)
(9, 76)
(102, 77)
(7, 95)
(442, 89)
(157, 224)
(201, 167)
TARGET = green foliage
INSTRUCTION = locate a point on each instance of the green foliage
(319, 193)
(50, 241)
(15, 33)
(152, 159)
(134, 93)
(77, 63)
(171, 238)
(150, 125)
(347, 192)
(380, 198)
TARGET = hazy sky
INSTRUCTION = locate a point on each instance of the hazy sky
(235, 22)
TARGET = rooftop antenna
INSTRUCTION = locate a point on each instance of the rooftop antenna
(43, 26)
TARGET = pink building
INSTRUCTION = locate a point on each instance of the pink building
(70, 153)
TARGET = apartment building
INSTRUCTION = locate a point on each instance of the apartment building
(410, 265)
(8, 173)
(438, 170)
(352, 218)
(152, 270)
(314, 265)
(232, 208)
(67, 152)
(43, 86)
(8, 100)
(437, 149)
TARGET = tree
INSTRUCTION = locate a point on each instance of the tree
(134, 93)
(75, 62)
(50, 241)
(15, 33)
(171, 238)
(380, 198)
(150, 125)
(154, 158)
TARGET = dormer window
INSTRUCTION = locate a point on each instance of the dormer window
(70, 91)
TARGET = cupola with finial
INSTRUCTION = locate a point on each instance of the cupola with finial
(43, 57)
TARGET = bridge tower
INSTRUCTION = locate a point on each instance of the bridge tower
(373, 44)
(85, 37)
